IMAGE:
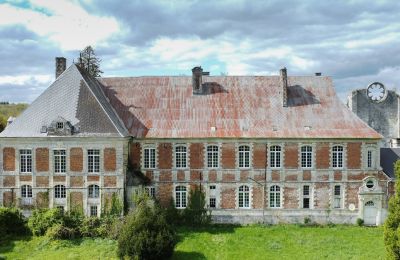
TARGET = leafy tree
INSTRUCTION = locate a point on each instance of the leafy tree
(89, 62)
(392, 224)
(196, 213)
(3, 123)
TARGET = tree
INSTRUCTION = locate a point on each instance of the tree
(89, 62)
(196, 213)
(392, 224)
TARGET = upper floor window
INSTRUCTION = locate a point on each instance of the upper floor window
(94, 191)
(59, 161)
(244, 197)
(180, 156)
(337, 197)
(93, 160)
(25, 160)
(26, 191)
(337, 157)
(60, 192)
(244, 156)
(275, 156)
(149, 157)
(275, 196)
(212, 156)
(370, 158)
(306, 156)
(180, 197)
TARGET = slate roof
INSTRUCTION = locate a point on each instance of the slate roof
(233, 107)
(389, 156)
(75, 97)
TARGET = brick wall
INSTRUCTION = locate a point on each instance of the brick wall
(164, 193)
(76, 199)
(76, 160)
(196, 155)
(228, 198)
(322, 196)
(259, 156)
(290, 198)
(228, 156)
(257, 197)
(76, 181)
(291, 155)
(165, 156)
(9, 198)
(42, 181)
(352, 193)
(322, 156)
(110, 181)
(354, 155)
(42, 159)
(9, 159)
(8, 181)
(110, 159)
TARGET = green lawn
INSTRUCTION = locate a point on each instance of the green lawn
(226, 242)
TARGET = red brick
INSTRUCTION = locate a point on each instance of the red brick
(149, 175)
(259, 177)
(42, 159)
(164, 193)
(93, 178)
(8, 159)
(306, 175)
(228, 198)
(9, 198)
(76, 199)
(76, 181)
(354, 155)
(291, 177)
(337, 175)
(8, 181)
(76, 159)
(275, 176)
(110, 181)
(196, 175)
(352, 194)
(321, 176)
(358, 176)
(291, 198)
(135, 155)
(322, 156)
(259, 156)
(165, 176)
(322, 200)
(212, 176)
(25, 178)
(110, 159)
(42, 181)
(291, 155)
(165, 156)
(196, 156)
(59, 178)
(180, 176)
(258, 197)
(244, 176)
(228, 156)
(228, 177)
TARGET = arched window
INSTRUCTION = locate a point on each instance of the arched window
(337, 157)
(306, 156)
(94, 191)
(244, 197)
(26, 191)
(275, 196)
(180, 197)
(244, 156)
(212, 156)
(59, 192)
(369, 203)
(275, 156)
(180, 156)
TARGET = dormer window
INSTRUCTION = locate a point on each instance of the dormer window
(60, 125)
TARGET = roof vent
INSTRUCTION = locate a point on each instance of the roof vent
(43, 130)
(213, 129)
(307, 127)
(274, 128)
(318, 74)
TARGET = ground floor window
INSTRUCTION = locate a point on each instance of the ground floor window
(306, 196)
(93, 211)
(275, 197)
(212, 197)
(180, 197)
(244, 197)
(150, 191)
(337, 199)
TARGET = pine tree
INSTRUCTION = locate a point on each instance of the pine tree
(392, 224)
(89, 62)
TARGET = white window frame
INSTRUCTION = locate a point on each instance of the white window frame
(337, 198)
(149, 157)
(25, 160)
(181, 196)
(306, 196)
(181, 156)
(60, 192)
(26, 191)
(60, 160)
(275, 156)
(337, 157)
(93, 191)
(306, 156)
(150, 191)
(244, 197)
(244, 156)
(275, 196)
(212, 158)
(93, 160)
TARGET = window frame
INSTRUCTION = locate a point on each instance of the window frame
(26, 191)
(91, 212)
(306, 156)
(181, 157)
(60, 161)
(337, 156)
(306, 196)
(337, 197)
(93, 191)
(244, 156)
(93, 160)
(275, 196)
(150, 191)
(212, 156)
(149, 157)
(244, 197)
(181, 196)
(275, 156)
(61, 191)
(25, 160)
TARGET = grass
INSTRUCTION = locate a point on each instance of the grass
(224, 242)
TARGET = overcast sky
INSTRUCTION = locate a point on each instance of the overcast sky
(355, 42)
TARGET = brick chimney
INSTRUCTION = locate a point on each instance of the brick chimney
(197, 81)
(284, 85)
(61, 65)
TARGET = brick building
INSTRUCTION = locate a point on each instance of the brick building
(273, 149)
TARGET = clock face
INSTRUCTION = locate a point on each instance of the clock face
(376, 92)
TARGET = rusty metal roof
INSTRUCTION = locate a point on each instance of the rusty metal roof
(233, 107)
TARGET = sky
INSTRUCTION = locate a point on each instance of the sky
(354, 42)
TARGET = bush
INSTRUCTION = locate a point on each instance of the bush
(146, 234)
(195, 213)
(43, 219)
(60, 231)
(172, 214)
(90, 227)
(360, 222)
(12, 222)
(392, 224)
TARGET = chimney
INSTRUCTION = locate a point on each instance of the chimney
(318, 74)
(284, 85)
(197, 73)
(61, 65)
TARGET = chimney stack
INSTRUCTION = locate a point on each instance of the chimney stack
(284, 85)
(197, 82)
(318, 74)
(61, 65)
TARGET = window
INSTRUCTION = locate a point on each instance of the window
(337, 157)
(370, 184)
(26, 191)
(60, 125)
(275, 156)
(93, 160)
(275, 196)
(150, 191)
(244, 197)
(180, 157)
(244, 156)
(212, 203)
(306, 197)
(212, 156)
(213, 200)
(93, 211)
(59, 161)
(94, 191)
(369, 159)
(25, 160)
(59, 192)
(180, 197)
(306, 156)
(337, 200)
(149, 158)
(61, 209)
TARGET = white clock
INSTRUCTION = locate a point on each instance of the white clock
(376, 92)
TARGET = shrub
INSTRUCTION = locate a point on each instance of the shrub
(90, 227)
(172, 214)
(42, 219)
(360, 222)
(146, 234)
(307, 221)
(12, 222)
(196, 213)
(60, 231)
(392, 224)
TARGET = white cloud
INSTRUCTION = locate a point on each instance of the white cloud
(69, 25)
(22, 80)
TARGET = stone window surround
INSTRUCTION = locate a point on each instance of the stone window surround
(250, 145)
(52, 160)
(281, 186)
(219, 145)
(313, 155)
(174, 145)
(374, 149)
(146, 146)
(344, 145)
(310, 196)
(33, 157)
(187, 193)
(250, 195)
(217, 194)
(282, 145)
(333, 196)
